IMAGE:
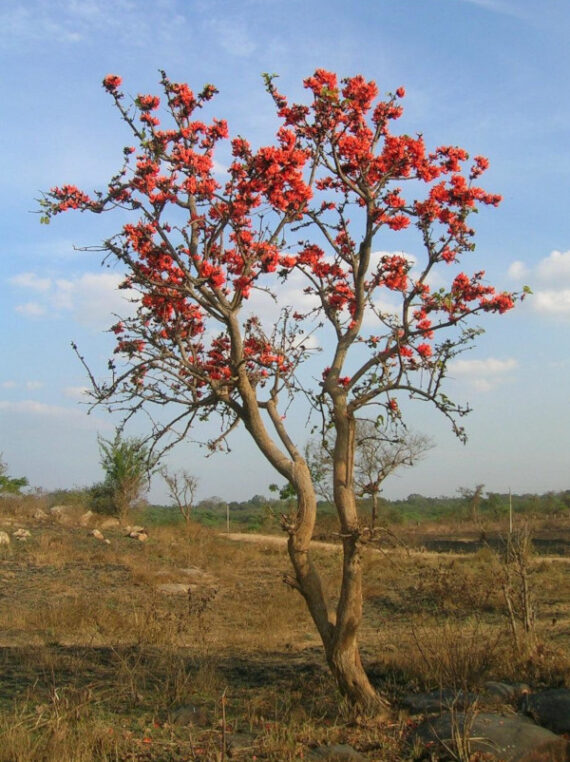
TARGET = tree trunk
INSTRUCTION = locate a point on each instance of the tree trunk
(343, 654)
(353, 683)
(339, 634)
(374, 508)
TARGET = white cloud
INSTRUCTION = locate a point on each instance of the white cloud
(552, 302)
(31, 309)
(76, 392)
(42, 410)
(96, 297)
(518, 270)
(483, 375)
(31, 281)
(555, 267)
(31, 385)
(554, 272)
(58, 415)
(91, 298)
(490, 366)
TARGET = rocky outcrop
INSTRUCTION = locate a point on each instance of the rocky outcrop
(136, 533)
(550, 709)
(509, 738)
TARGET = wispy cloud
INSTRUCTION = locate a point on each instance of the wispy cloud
(72, 22)
(29, 385)
(73, 416)
(76, 392)
(31, 281)
(233, 36)
(513, 8)
(91, 298)
(483, 375)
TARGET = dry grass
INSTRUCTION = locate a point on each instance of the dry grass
(99, 664)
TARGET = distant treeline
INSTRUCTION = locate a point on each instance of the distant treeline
(263, 513)
(260, 511)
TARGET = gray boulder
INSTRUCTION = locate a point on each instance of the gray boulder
(506, 693)
(549, 708)
(509, 738)
(436, 702)
(339, 752)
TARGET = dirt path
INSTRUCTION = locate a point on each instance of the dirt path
(281, 541)
(277, 540)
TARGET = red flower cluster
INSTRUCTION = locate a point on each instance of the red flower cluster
(112, 82)
(199, 247)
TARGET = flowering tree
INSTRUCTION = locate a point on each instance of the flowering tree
(198, 248)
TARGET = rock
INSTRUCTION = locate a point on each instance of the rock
(109, 523)
(97, 534)
(137, 533)
(130, 531)
(437, 701)
(86, 519)
(509, 738)
(551, 709)
(57, 511)
(4, 538)
(339, 752)
(173, 588)
(196, 575)
(506, 693)
(22, 534)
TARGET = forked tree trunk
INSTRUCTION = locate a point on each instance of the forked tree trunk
(338, 629)
(343, 653)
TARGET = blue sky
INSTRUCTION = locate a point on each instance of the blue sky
(489, 75)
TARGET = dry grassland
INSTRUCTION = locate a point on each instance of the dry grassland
(104, 656)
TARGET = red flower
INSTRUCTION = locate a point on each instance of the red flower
(424, 350)
(111, 82)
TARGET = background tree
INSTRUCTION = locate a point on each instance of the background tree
(10, 484)
(203, 252)
(182, 488)
(379, 456)
(473, 499)
(125, 462)
(378, 453)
